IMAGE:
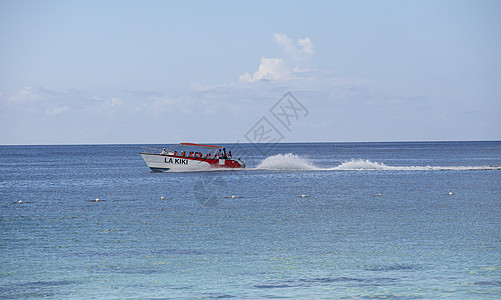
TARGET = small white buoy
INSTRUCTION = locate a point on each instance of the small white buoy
(97, 199)
(303, 196)
(20, 201)
(233, 196)
(162, 198)
(450, 193)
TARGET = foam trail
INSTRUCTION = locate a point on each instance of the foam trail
(287, 161)
(360, 164)
(293, 162)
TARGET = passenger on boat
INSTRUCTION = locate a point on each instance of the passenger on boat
(175, 153)
(216, 156)
(207, 155)
(163, 151)
(191, 154)
(229, 154)
(183, 153)
(224, 153)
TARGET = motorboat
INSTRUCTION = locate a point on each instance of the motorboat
(189, 157)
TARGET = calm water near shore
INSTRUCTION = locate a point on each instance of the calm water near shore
(322, 220)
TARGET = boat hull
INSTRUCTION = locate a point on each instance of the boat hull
(165, 162)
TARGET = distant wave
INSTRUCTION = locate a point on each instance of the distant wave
(291, 161)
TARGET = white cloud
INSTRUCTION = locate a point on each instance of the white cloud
(115, 101)
(287, 43)
(166, 105)
(269, 69)
(111, 102)
(27, 94)
(56, 110)
(304, 48)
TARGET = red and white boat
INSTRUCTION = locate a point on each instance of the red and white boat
(182, 158)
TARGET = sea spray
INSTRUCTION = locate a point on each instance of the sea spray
(286, 161)
(360, 164)
(293, 162)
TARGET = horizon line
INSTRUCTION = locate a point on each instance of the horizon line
(230, 143)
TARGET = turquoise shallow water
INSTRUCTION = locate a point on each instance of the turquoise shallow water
(341, 241)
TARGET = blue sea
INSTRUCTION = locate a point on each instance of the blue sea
(303, 221)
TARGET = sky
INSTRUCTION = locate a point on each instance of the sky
(157, 72)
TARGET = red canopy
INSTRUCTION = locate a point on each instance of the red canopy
(200, 145)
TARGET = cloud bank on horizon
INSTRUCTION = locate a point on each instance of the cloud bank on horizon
(343, 106)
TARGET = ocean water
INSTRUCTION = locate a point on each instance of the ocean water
(303, 221)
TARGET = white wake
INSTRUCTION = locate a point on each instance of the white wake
(289, 161)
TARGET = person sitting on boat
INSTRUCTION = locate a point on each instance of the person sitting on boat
(163, 151)
(183, 153)
(191, 154)
(207, 155)
(175, 153)
(229, 154)
(216, 156)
